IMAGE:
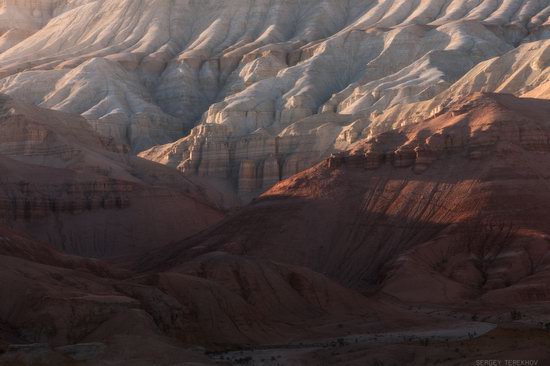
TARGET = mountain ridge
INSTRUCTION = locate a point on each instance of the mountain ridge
(239, 85)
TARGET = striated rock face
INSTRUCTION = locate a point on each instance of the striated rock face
(523, 71)
(82, 193)
(449, 214)
(380, 71)
(430, 213)
(212, 151)
(251, 79)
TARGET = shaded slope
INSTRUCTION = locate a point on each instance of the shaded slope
(64, 184)
(395, 212)
(216, 301)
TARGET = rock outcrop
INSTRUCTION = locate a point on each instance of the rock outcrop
(403, 148)
(523, 71)
(252, 78)
(430, 213)
(83, 193)
(448, 215)
(394, 76)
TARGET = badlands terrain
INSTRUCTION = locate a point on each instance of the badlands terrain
(274, 182)
(252, 91)
(63, 183)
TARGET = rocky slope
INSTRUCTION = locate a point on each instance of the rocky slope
(64, 184)
(421, 226)
(450, 209)
(19, 19)
(440, 224)
(270, 87)
(65, 310)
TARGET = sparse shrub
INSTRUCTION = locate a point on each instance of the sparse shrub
(515, 315)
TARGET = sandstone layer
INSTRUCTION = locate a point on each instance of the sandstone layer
(64, 184)
(440, 225)
(450, 209)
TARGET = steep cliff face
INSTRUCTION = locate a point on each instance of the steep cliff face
(258, 81)
(64, 184)
(432, 212)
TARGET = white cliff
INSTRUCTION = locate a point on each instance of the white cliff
(252, 91)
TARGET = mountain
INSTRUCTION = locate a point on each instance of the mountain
(522, 72)
(443, 211)
(267, 88)
(274, 182)
(58, 309)
(64, 184)
(434, 232)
